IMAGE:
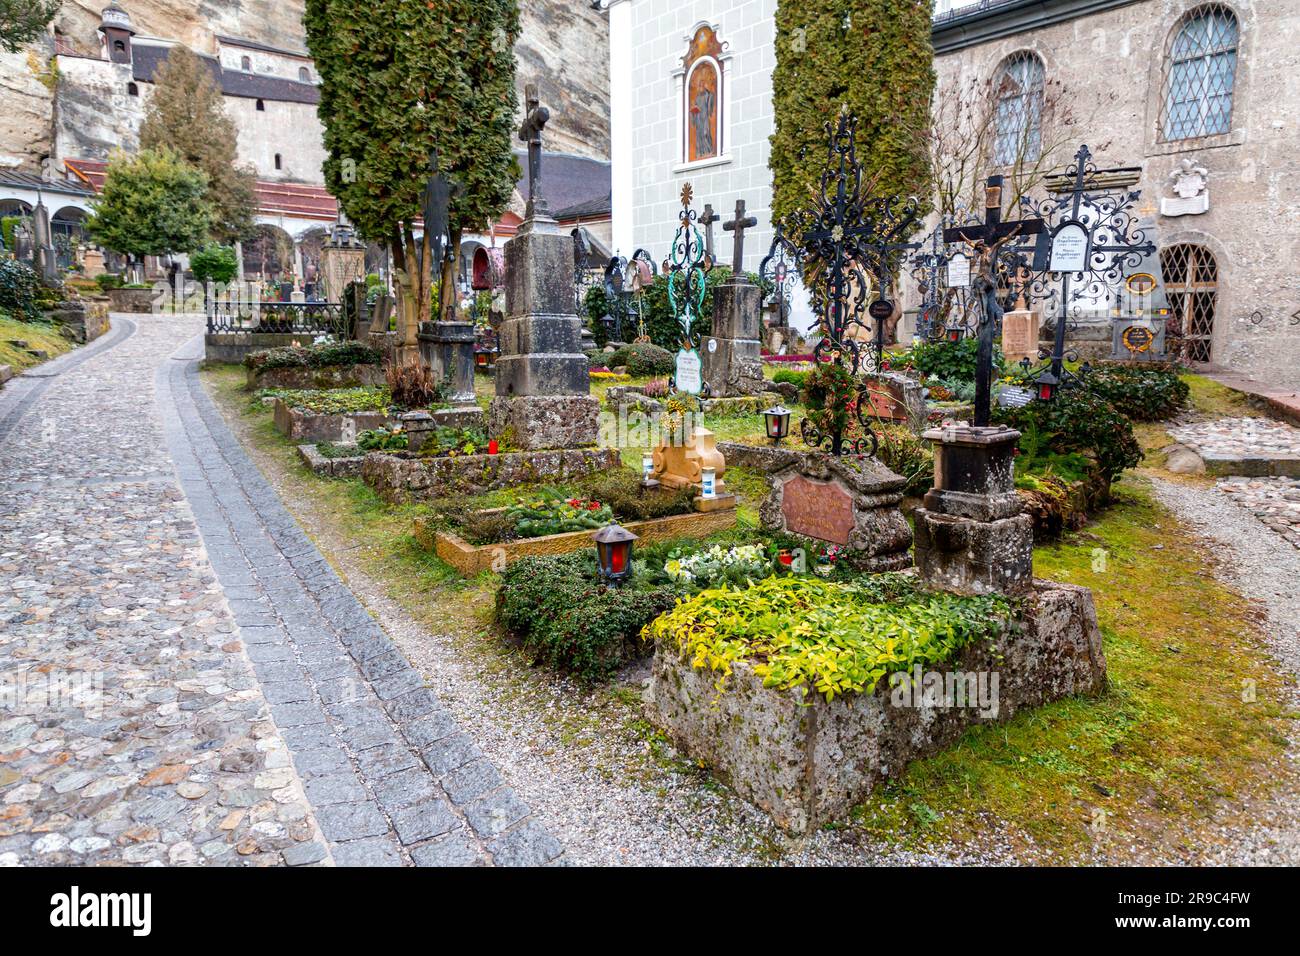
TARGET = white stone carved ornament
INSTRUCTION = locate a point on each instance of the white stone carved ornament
(1191, 186)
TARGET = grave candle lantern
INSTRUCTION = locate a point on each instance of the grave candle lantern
(777, 420)
(614, 553)
(1047, 386)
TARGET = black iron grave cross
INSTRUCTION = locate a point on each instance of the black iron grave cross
(988, 237)
(707, 220)
(437, 202)
(738, 226)
(536, 117)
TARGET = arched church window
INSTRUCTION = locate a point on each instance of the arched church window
(1200, 75)
(702, 88)
(1018, 109)
(304, 75)
(246, 64)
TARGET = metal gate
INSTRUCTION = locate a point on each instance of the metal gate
(1192, 284)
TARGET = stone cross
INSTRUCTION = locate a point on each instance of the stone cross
(707, 220)
(738, 226)
(535, 119)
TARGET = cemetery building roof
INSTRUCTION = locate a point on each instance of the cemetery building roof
(19, 180)
(595, 208)
(254, 45)
(569, 181)
(973, 22)
(146, 58)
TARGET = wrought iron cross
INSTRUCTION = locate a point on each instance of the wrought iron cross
(437, 203)
(536, 117)
(1113, 241)
(738, 226)
(988, 237)
(707, 220)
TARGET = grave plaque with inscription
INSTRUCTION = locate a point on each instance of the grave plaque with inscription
(818, 509)
(849, 502)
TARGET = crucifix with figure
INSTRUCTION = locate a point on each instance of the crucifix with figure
(536, 117)
(738, 226)
(988, 238)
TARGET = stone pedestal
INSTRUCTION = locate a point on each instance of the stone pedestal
(849, 502)
(1020, 331)
(680, 466)
(971, 537)
(542, 386)
(1138, 340)
(448, 349)
(732, 357)
(342, 260)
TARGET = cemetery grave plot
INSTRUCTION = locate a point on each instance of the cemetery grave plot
(1034, 778)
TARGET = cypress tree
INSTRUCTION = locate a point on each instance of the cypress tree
(873, 56)
(187, 114)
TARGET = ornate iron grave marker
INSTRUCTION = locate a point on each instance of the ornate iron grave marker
(688, 269)
(850, 245)
(988, 239)
(1096, 240)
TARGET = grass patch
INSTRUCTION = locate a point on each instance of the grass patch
(1162, 750)
(37, 335)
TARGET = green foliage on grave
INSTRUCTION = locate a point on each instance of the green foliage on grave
(20, 289)
(383, 439)
(334, 401)
(953, 363)
(187, 113)
(214, 263)
(1145, 393)
(324, 355)
(833, 638)
(641, 359)
(1076, 420)
(873, 57)
(399, 80)
(152, 204)
(109, 280)
(566, 619)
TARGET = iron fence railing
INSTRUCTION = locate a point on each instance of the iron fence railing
(302, 318)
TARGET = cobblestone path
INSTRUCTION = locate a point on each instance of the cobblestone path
(183, 678)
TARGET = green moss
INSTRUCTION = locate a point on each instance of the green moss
(37, 335)
(1169, 742)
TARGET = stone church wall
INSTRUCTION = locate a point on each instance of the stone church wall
(1112, 64)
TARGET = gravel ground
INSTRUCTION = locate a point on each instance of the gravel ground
(1265, 568)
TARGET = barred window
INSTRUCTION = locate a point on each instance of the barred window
(1018, 110)
(1200, 76)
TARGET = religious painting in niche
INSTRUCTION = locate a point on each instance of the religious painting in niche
(703, 93)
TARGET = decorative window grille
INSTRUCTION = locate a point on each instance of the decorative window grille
(1192, 283)
(1018, 110)
(1201, 74)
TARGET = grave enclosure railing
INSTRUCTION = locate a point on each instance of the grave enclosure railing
(298, 318)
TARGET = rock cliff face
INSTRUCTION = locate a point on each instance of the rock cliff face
(563, 48)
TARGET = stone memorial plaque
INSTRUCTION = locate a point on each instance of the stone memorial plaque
(817, 509)
(688, 372)
(887, 401)
(1069, 249)
(1020, 335)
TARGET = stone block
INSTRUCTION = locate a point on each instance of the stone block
(448, 349)
(966, 556)
(539, 272)
(402, 478)
(535, 422)
(302, 425)
(806, 761)
(330, 376)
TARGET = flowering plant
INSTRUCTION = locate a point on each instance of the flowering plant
(718, 565)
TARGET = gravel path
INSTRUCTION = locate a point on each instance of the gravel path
(1265, 568)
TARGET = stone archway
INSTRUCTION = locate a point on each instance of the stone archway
(268, 255)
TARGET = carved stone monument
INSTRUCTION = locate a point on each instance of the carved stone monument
(342, 260)
(971, 536)
(681, 466)
(1021, 329)
(1191, 186)
(849, 502)
(542, 387)
(732, 359)
(448, 349)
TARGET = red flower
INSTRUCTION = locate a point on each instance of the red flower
(594, 506)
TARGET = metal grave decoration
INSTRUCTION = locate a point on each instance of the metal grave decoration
(988, 239)
(851, 247)
(778, 270)
(688, 269)
(1096, 242)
